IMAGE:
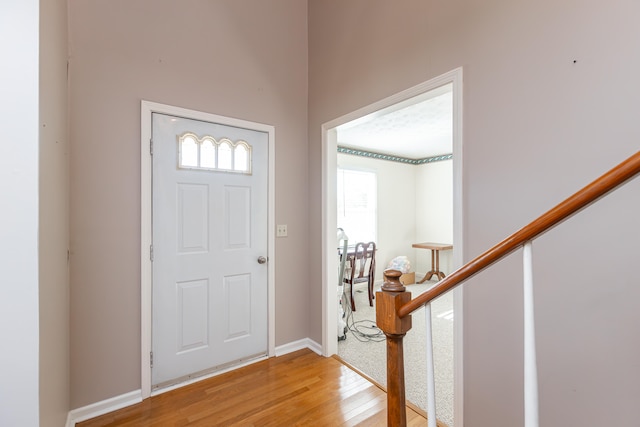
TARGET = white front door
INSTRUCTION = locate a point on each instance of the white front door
(209, 247)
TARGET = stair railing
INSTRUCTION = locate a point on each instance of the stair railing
(394, 305)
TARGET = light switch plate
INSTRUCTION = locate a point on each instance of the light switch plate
(281, 230)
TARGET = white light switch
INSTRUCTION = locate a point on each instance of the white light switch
(281, 230)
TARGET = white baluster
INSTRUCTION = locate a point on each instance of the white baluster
(530, 364)
(431, 378)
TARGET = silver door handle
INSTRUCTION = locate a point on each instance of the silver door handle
(261, 260)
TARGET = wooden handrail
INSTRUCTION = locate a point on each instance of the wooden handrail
(598, 188)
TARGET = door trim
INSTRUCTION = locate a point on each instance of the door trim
(329, 220)
(147, 108)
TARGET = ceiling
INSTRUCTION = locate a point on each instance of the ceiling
(417, 128)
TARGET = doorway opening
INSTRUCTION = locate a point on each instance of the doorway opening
(332, 132)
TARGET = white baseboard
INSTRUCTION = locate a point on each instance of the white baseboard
(131, 398)
(299, 345)
(103, 407)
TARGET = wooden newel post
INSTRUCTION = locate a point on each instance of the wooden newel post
(388, 301)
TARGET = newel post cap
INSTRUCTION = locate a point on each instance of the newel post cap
(392, 281)
(392, 297)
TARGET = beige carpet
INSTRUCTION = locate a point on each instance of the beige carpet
(367, 353)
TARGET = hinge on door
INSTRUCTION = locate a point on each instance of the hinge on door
(151, 358)
(151, 146)
(151, 253)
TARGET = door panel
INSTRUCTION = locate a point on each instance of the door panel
(209, 228)
(237, 216)
(193, 218)
(237, 292)
(193, 320)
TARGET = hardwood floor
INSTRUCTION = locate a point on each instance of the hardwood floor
(296, 389)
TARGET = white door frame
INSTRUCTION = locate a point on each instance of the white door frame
(329, 220)
(147, 108)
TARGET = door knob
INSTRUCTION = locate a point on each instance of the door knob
(261, 260)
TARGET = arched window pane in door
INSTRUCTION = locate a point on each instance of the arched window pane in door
(188, 152)
(224, 155)
(208, 154)
(240, 158)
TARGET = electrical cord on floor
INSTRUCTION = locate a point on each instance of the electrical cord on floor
(362, 330)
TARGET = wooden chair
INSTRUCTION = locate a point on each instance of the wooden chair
(362, 266)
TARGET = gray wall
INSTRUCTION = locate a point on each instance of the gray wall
(242, 59)
(54, 216)
(550, 103)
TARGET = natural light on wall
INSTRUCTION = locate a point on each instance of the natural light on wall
(357, 204)
(208, 154)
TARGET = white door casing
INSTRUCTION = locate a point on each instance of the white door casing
(212, 299)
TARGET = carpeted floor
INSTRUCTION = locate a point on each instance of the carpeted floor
(365, 349)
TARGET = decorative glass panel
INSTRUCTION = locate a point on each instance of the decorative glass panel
(240, 158)
(224, 155)
(189, 152)
(208, 154)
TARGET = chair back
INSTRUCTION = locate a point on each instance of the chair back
(365, 262)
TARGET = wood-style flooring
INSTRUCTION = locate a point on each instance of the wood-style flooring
(297, 389)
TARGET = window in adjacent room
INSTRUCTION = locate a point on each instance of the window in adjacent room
(357, 204)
